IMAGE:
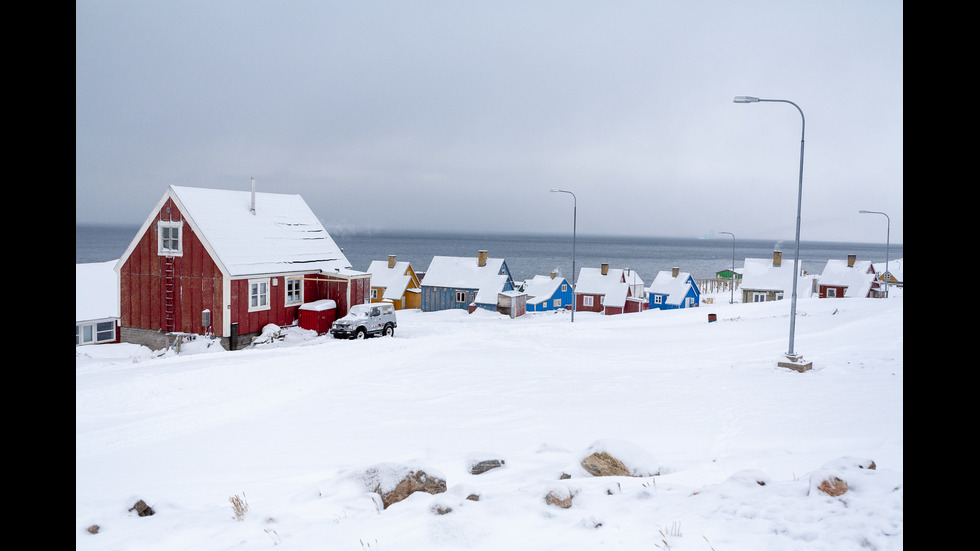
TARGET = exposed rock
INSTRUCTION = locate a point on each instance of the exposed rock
(94, 529)
(486, 465)
(564, 476)
(473, 497)
(833, 486)
(603, 464)
(142, 509)
(554, 499)
(413, 481)
(611, 457)
(442, 509)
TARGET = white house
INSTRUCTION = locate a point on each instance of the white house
(766, 279)
(96, 303)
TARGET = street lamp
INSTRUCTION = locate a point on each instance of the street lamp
(574, 223)
(791, 354)
(733, 265)
(887, 239)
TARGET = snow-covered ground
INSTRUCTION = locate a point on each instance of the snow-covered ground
(293, 427)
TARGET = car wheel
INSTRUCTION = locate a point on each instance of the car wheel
(361, 334)
(389, 331)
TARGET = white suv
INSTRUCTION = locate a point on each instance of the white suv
(364, 320)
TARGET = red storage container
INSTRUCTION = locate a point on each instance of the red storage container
(318, 315)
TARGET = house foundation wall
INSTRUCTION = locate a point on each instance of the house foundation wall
(160, 340)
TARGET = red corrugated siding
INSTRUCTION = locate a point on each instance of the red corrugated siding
(277, 313)
(196, 277)
(596, 303)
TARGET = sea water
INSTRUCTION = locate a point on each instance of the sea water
(528, 255)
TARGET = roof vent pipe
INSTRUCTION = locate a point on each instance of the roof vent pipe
(252, 208)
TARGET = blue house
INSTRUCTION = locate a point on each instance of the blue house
(674, 289)
(453, 282)
(548, 292)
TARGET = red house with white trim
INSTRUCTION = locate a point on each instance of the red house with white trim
(226, 264)
(609, 291)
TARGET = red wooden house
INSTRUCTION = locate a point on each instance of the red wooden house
(609, 291)
(228, 263)
(853, 279)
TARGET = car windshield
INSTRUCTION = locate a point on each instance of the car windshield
(364, 312)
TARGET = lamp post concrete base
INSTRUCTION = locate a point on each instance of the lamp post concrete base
(796, 363)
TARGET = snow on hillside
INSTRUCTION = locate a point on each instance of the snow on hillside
(291, 426)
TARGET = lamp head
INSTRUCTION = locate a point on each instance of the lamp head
(745, 99)
(864, 212)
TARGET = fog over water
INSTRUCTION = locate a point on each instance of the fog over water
(530, 255)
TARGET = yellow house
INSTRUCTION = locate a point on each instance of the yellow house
(394, 282)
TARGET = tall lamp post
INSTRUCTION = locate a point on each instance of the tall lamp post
(791, 354)
(733, 265)
(574, 223)
(888, 232)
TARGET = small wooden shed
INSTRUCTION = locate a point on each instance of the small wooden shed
(512, 303)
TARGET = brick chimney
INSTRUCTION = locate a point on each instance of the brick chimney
(674, 271)
(777, 259)
(851, 258)
(553, 274)
(481, 259)
(605, 269)
(391, 261)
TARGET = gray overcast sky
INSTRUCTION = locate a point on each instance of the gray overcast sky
(460, 116)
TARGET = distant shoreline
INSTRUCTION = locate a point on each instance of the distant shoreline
(787, 244)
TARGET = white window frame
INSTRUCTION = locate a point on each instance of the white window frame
(258, 295)
(831, 292)
(564, 287)
(556, 303)
(587, 301)
(374, 293)
(168, 225)
(461, 296)
(95, 332)
(658, 299)
(758, 297)
(293, 291)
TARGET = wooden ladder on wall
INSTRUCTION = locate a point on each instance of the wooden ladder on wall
(169, 300)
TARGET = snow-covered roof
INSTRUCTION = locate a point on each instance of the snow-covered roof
(759, 273)
(857, 279)
(675, 288)
(592, 282)
(96, 291)
(466, 273)
(541, 288)
(320, 305)
(394, 280)
(282, 236)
